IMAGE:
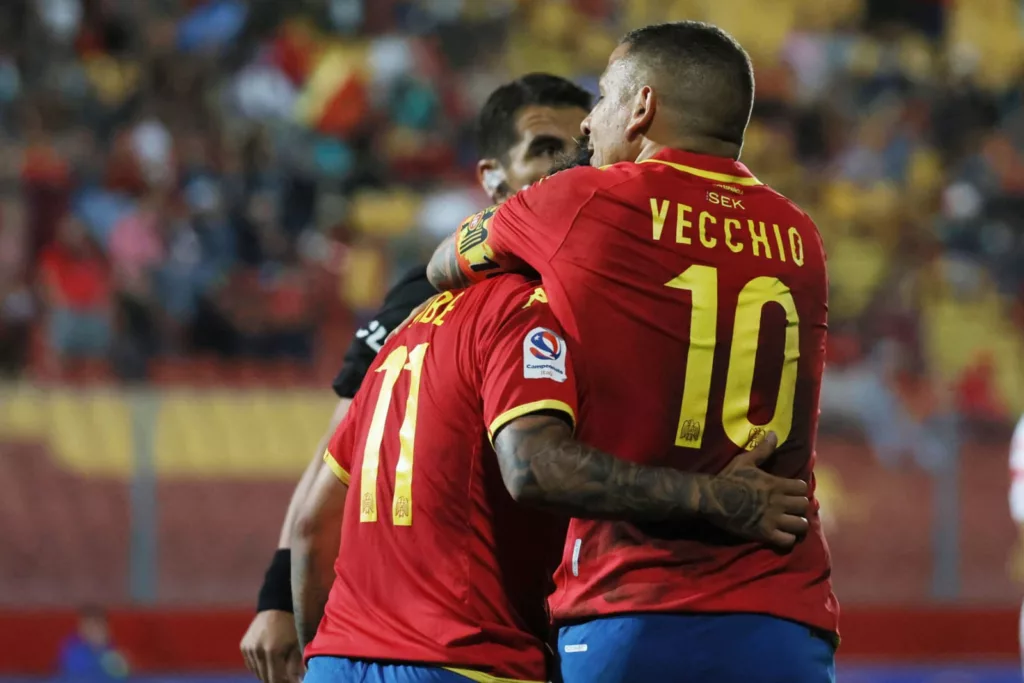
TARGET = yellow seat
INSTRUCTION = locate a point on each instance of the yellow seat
(680, 10)
(552, 22)
(856, 266)
(925, 172)
(22, 412)
(594, 46)
(361, 283)
(385, 213)
(762, 32)
(957, 331)
(917, 57)
(260, 433)
(814, 15)
(990, 29)
(91, 431)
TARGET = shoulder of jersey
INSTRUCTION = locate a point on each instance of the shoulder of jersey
(574, 176)
(616, 174)
(787, 201)
(508, 291)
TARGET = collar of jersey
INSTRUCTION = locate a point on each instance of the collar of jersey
(703, 166)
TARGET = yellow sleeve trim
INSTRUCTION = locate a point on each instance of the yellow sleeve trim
(526, 409)
(748, 181)
(339, 471)
(480, 677)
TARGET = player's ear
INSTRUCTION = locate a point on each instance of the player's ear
(645, 104)
(491, 176)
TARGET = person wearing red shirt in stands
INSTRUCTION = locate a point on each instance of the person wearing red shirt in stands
(77, 286)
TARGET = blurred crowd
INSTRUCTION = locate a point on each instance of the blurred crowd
(184, 177)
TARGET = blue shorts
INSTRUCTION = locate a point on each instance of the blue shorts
(694, 648)
(343, 670)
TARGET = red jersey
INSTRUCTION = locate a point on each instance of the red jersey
(694, 301)
(438, 565)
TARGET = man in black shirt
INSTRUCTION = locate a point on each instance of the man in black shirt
(526, 128)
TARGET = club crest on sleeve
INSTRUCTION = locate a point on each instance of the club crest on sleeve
(544, 355)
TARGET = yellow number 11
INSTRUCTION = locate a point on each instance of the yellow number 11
(702, 282)
(401, 505)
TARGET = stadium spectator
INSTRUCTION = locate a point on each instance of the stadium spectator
(269, 112)
(16, 303)
(89, 655)
(333, 139)
(77, 288)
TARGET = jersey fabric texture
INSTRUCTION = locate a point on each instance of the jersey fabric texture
(438, 565)
(694, 300)
(412, 290)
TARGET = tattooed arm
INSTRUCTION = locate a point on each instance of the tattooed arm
(473, 254)
(443, 271)
(542, 464)
(316, 537)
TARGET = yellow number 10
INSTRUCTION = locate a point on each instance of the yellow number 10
(702, 282)
(401, 505)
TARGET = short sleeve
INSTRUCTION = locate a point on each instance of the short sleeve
(526, 365)
(525, 232)
(338, 455)
(412, 290)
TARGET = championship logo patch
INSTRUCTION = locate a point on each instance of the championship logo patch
(544, 355)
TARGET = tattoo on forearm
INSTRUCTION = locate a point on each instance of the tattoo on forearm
(734, 497)
(543, 464)
(443, 271)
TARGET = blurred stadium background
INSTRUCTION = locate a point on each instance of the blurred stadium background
(241, 180)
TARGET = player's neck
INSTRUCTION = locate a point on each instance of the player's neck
(695, 145)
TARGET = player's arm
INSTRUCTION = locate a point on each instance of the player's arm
(530, 405)
(270, 646)
(444, 270)
(1016, 559)
(309, 475)
(315, 540)
(542, 464)
(517, 237)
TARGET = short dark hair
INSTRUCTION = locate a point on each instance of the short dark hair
(706, 75)
(496, 126)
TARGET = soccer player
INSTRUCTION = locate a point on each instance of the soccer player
(1017, 508)
(523, 128)
(440, 575)
(694, 301)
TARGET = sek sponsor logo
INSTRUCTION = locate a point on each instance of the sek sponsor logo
(544, 355)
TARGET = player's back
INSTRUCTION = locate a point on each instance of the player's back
(438, 565)
(697, 298)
